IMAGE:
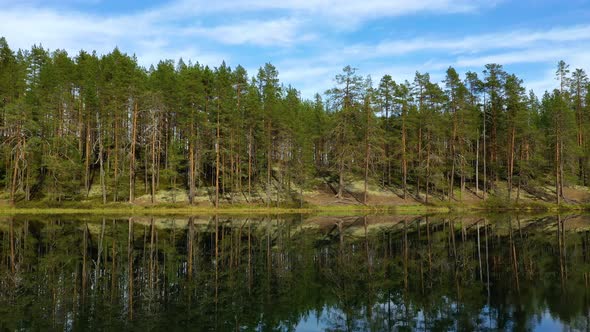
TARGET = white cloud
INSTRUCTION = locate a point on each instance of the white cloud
(533, 55)
(302, 38)
(27, 25)
(348, 10)
(282, 32)
(519, 39)
(175, 26)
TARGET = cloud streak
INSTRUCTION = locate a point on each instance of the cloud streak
(353, 10)
(520, 39)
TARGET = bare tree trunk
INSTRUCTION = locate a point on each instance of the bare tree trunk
(452, 176)
(101, 161)
(520, 158)
(453, 157)
(80, 129)
(250, 162)
(340, 178)
(419, 175)
(132, 157)
(557, 166)
(462, 190)
(217, 148)
(154, 160)
(87, 161)
(404, 157)
(26, 169)
(366, 174)
(485, 157)
(268, 163)
(116, 161)
(511, 160)
(367, 153)
(191, 171)
(232, 170)
(17, 157)
(561, 168)
(145, 168)
(580, 136)
(427, 166)
(477, 165)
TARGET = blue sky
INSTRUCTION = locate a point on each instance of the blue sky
(311, 41)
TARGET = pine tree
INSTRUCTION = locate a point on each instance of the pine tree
(345, 99)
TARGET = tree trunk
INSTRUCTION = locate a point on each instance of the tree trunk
(511, 161)
(116, 161)
(250, 162)
(217, 160)
(17, 157)
(404, 157)
(145, 168)
(340, 178)
(477, 165)
(191, 170)
(132, 157)
(268, 162)
(27, 170)
(427, 166)
(101, 161)
(153, 154)
(366, 174)
(557, 164)
(453, 155)
(367, 152)
(419, 175)
(520, 158)
(485, 157)
(561, 168)
(87, 161)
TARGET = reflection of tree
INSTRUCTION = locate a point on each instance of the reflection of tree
(269, 274)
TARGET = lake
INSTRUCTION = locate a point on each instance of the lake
(295, 273)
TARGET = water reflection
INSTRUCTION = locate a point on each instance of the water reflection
(371, 273)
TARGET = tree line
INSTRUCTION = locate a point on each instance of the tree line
(76, 125)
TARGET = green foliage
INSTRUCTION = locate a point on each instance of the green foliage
(69, 124)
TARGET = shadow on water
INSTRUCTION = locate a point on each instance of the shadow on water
(367, 273)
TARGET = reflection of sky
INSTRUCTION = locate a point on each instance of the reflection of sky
(549, 324)
(314, 322)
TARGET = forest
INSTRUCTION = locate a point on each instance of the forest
(103, 127)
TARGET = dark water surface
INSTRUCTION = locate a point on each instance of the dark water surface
(295, 273)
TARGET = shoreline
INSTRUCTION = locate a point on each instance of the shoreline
(167, 209)
(236, 210)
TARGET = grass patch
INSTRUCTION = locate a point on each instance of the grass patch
(494, 203)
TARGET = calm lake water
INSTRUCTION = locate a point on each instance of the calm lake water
(295, 273)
